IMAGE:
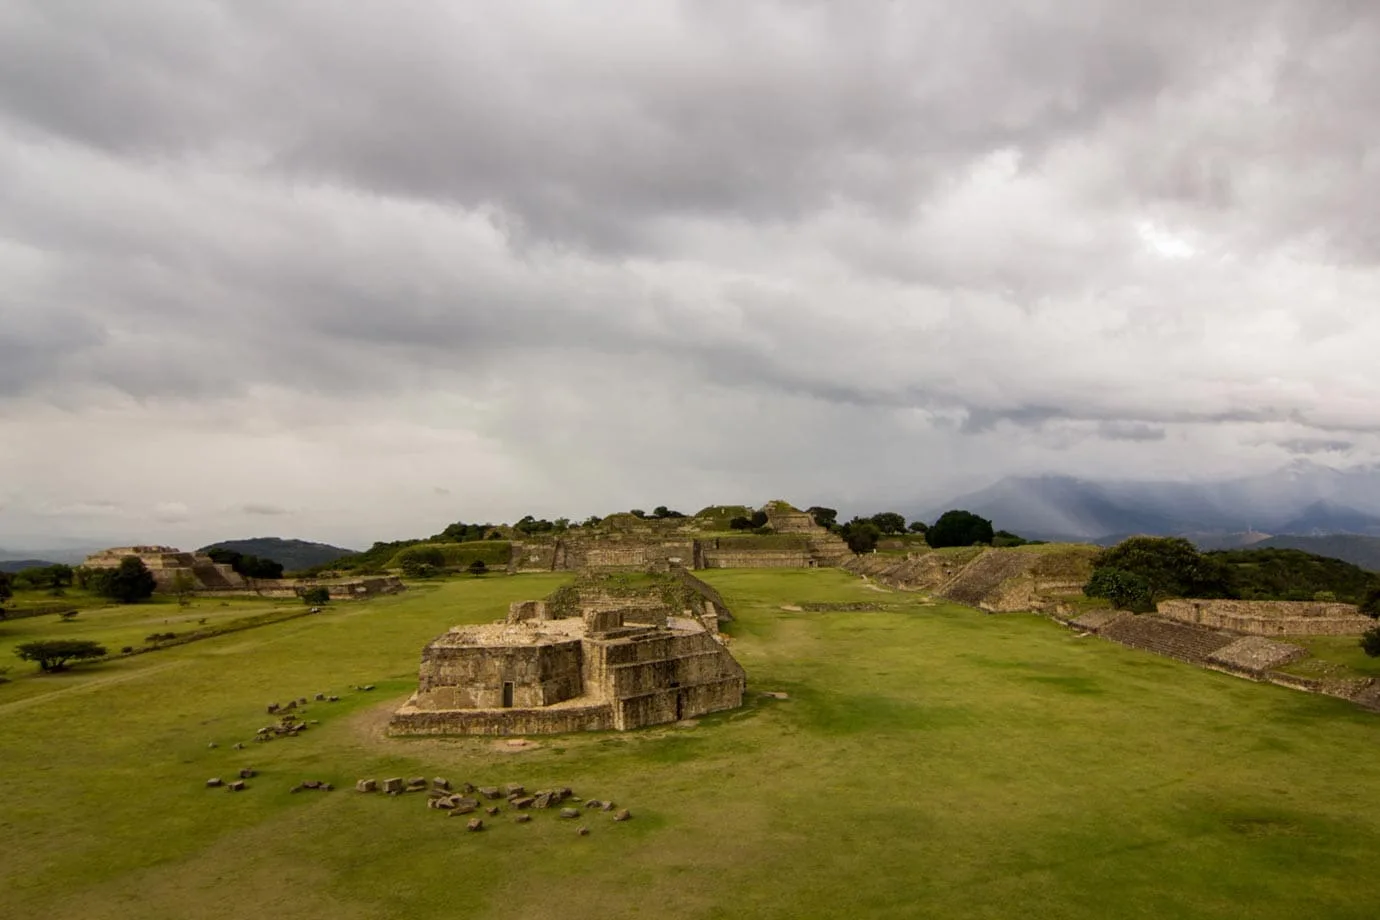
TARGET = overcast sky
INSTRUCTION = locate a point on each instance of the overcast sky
(351, 271)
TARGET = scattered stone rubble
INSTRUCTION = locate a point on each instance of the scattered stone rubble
(464, 800)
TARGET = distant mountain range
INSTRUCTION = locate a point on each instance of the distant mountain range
(1302, 500)
(19, 565)
(293, 554)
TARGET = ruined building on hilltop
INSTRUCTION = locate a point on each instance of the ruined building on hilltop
(207, 578)
(610, 652)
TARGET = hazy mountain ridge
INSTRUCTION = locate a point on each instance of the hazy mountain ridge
(292, 554)
(1302, 498)
(19, 565)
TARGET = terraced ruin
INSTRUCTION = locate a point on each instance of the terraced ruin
(608, 652)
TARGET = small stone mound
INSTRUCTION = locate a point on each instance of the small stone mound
(1256, 655)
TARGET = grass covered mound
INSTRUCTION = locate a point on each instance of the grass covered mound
(928, 761)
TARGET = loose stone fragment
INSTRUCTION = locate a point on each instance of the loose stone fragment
(570, 813)
(236, 786)
(214, 781)
(622, 815)
(475, 824)
(522, 819)
(367, 785)
(583, 832)
(239, 746)
(320, 697)
(593, 803)
(515, 789)
(211, 745)
(247, 773)
(524, 801)
(393, 785)
(608, 806)
(440, 783)
(490, 792)
(491, 811)
(543, 800)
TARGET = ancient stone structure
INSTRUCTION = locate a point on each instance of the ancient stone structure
(166, 562)
(1269, 618)
(995, 580)
(626, 543)
(213, 579)
(593, 657)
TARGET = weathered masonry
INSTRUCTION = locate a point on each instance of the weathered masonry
(586, 661)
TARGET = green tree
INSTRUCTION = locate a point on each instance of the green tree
(919, 527)
(959, 528)
(1171, 566)
(1007, 538)
(53, 654)
(130, 583)
(861, 535)
(889, 522)
(740, 523)
(1126, 590)
(6, 592)
(477, 568)
(1370, 604)
(1370, 642)
(316, 596)
(828, 518)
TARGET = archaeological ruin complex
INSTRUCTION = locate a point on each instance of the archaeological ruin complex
(212, 579)
(610, 652)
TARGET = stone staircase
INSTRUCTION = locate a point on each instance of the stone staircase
(1164, 637)
(211, 577)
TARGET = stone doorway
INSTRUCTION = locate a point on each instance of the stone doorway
(507, 694)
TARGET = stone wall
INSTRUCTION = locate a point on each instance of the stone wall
(756, 559)
(1269, 618)
(591, 717)
(474, 677)
(348, 589)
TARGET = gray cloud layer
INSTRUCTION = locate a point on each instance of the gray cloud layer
(370, 268)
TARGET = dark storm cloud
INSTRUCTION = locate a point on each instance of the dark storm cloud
(478, 235)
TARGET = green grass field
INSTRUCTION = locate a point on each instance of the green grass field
(931, 761)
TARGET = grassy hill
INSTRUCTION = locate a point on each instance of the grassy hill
(930, 761)
(293, 554)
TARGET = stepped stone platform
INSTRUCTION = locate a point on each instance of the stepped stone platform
(1094, 620)
(1255, 655)
(604, 654)
(1165, 637)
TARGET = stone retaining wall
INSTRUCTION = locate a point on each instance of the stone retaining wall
(1269, 618)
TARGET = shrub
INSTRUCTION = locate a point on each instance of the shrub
(477, 568)
(315, 597)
